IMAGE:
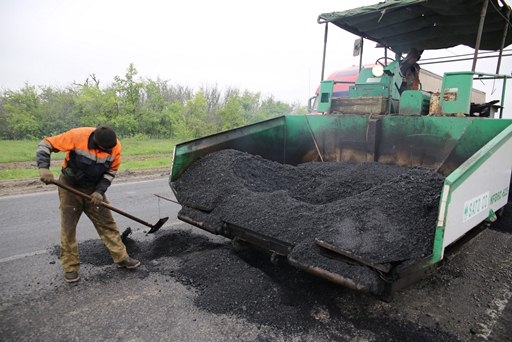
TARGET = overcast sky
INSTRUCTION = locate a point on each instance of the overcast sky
(268, 46)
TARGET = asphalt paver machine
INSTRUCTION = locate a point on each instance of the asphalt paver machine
(378, 123)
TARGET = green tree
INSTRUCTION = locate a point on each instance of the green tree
(124, 124)
(154, 122)
(154, 108)
(250, 104)
(4, 125)
(22, 113)
(95, 106)
(196, 117)
(57, 107)
(177, 93)
(271, 108)
(231, 115)
(128, 92)
(212, 95)
(175, 113)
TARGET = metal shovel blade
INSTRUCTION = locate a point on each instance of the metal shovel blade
(158, 225)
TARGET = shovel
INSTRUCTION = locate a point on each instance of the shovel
(154, 227)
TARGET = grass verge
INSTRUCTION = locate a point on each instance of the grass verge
(25, 150)
(139, 164)
(137, 155)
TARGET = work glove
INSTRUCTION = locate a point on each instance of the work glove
(46, 176)
(96, 198)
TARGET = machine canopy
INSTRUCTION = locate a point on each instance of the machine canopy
(427, 24)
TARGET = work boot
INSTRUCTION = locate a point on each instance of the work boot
(129, 263)
(71, 277)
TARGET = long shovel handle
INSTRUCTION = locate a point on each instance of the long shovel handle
(106, 205)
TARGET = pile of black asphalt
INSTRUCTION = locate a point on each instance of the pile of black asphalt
(381, 213)
(245, 284)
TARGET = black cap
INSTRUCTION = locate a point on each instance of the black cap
(105, 137)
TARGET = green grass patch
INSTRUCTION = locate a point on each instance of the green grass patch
(25, 150)
(157, 154)
(143, 164)
(18, 150)
(19, 174)
(134, 147)
(146, 163)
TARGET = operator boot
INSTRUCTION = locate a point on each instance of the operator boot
(71, 277)
(129, 263)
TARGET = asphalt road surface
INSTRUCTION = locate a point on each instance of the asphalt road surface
(193, 287)
(31, 222)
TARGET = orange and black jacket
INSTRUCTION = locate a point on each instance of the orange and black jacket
(85, 164)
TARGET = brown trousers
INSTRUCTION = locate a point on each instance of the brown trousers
(71, 208)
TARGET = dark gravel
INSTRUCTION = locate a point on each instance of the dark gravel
(246, 284)
(382, 213)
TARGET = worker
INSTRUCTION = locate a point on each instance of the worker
(410, 70)
(93, 156)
